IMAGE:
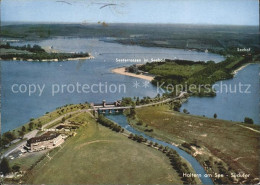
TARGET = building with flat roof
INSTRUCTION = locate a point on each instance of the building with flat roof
(46, 141)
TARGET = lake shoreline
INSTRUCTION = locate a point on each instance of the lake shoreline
(51, 60)
(122, 71)
(240, 68)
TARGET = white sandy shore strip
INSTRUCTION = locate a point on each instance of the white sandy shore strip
(81, 58)
(239, 69)
(56, 60)
(121, 70)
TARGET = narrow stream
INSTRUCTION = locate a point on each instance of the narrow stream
(122, 121)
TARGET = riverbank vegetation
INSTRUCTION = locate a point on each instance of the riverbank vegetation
(177, 162)
(35, 53)
(110, 124)
(222, 147)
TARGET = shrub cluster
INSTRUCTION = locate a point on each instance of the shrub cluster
(137, 138)
(174, 157)
(180, 166)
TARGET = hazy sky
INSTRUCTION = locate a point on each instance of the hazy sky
(234, 12)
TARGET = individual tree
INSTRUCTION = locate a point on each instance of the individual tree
(131, 136)
(248, 120)
(165, 149)
(39, 125)
(4, 166)
(4, 141)
(21, 133)
(28, 46)
(16, 168)
(185, 111)
(30, 125)
(132, 112)
(137, 101)
(140, 122)
(63, 119)
(23, 129)
(215, 115)
(9, 136)
(126, 101)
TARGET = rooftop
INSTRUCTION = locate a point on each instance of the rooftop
(45, 137)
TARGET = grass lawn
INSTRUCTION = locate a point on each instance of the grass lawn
(229, 142)
(97, 155)
(171, 68)
(28, 160)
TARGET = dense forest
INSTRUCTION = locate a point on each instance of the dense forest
(199, 74)
(34, 52)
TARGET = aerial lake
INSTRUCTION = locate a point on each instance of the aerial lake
(19, 107)
(230, 103)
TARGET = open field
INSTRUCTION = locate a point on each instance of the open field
(28, 160)
(97, 155)
(171, 68)
(213, 140)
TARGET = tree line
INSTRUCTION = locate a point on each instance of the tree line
(34, 49)
(37, 53)
(107, 123)
(175, 159)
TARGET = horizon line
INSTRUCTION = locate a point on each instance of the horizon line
(96, 23)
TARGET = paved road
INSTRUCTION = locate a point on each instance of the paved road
(60, 118)
(145, 105)
(33, 133)
(20, 145)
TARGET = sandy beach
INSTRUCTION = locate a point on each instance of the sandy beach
(239, 69)
(81, 58)
(121, 71)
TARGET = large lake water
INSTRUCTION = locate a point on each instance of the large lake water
(230, 102)
(18, 108)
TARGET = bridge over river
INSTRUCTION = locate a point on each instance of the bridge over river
(116, 106)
